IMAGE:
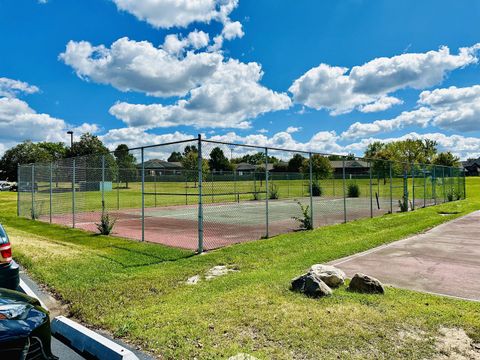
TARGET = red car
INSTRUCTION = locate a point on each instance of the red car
(9, 271)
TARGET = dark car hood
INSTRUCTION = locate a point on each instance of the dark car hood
(21, 328)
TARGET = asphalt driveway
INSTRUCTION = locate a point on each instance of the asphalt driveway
(445, 260)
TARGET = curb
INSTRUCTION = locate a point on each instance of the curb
(86, 341)
(27, 290)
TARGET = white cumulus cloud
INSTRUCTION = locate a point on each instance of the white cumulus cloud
(11, 88)
(341, 90)
(228, 99)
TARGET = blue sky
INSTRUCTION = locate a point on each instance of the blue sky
(310, 75)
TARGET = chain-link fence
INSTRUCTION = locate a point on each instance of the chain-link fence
(201, 194)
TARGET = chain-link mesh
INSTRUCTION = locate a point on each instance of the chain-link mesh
(200, 194)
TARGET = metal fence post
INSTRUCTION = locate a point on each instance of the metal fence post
(142, 155)
(155, 185)
(118, 189)
(443, 185)
(434, 185)
(200, 195)
(424, 186)
(344, 192)
(33, 213)
(464, 184)
(18, 189)
(51, 192)
(310, 165)
(391, 188)
(73, 193)
(103, 184)
(413, 187)
(371, 190)
(266, 192)
(405, 187)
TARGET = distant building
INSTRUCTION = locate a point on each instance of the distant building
(246, 168)
(352, 167)
(161, 167)
(472, 167)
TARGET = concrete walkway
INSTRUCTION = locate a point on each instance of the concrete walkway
(444, 260)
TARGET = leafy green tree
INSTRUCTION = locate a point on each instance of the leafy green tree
(295, 163)
(188, 149)
(56, 150)
(218, 160)
(446, 159)
(24, 153)
(89, 144)
(91, 150)
(190, 164)
(321, 167)
(126, 164)
(175, 156)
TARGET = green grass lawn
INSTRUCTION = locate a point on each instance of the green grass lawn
(137, 291)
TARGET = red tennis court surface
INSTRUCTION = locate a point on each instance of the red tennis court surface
(224, 223)
(444, 260)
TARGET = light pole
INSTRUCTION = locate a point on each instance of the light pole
(71, 138)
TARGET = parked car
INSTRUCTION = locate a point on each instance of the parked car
(5, 186)
(9, 270)
(24, 328)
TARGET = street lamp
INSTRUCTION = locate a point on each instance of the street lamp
(71, 138)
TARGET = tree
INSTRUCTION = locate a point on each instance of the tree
(188, 149)
(175, 156)
(89, 144)
(190, 164)
(91, 151)
(321, 167)
(295, 163)
(24, 153)
(218, 161)
(57, 150)
(126, 164)
(446, 159)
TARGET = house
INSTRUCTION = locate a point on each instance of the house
(472, 167)
(161, 167)
(246, 168)
(352, 167)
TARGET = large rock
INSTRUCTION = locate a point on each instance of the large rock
(366, 284)
(315, 287)
(298, 284)
(330, 275)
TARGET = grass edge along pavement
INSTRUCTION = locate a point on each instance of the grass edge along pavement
(137, 292)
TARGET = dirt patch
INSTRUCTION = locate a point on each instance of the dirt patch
(214, 272)
(454, 343)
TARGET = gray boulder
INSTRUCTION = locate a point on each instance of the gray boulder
(366, 284)
(330, 275)
(298, 284)
(315, 287)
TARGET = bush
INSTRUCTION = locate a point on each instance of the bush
(453, 195)
(353, 190)
(316, 189)
(403, 205)
(306, 220)
(106, 224)
(273, 193)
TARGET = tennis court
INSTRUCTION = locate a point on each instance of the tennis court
(223, 223)
(196, 204)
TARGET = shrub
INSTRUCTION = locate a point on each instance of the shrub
(256, 195)
(353, 190)
(454, 195)
(106, 224)
(306, 220)
(403, 205)
(316, 189)
(273, 193)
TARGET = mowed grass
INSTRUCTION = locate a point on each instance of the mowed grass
(137, 291)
